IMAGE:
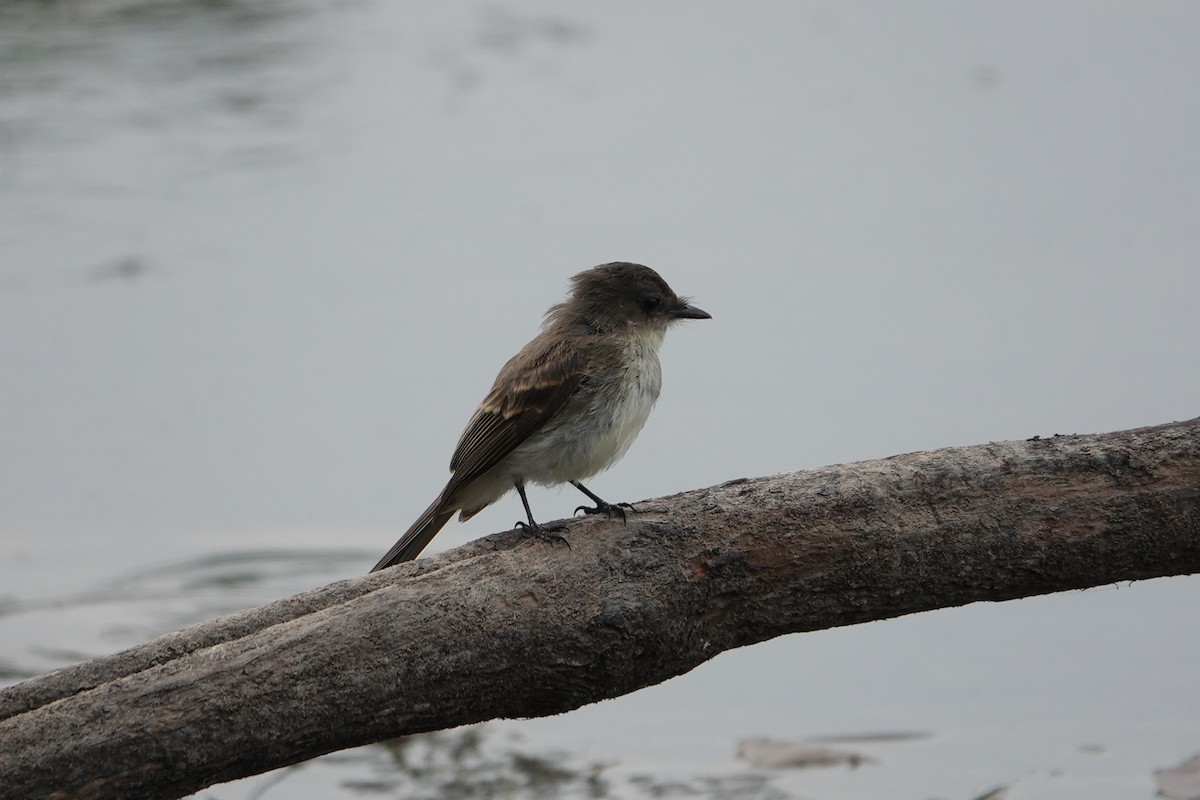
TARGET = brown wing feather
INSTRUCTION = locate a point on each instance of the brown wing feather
(533, 386)
(530, 390)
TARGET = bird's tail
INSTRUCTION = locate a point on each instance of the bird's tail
(419, 535)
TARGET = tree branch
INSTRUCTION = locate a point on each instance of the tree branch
(509, 626)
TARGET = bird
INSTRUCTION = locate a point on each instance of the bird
(567, 406)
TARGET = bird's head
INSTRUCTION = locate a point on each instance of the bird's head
(622, 295)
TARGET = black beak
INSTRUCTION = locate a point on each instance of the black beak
(690, 312)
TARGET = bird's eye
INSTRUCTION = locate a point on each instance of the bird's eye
(651, 304)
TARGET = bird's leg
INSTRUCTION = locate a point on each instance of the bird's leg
(601, 507)
(546, 532)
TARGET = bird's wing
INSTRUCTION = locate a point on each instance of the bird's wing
(530, 390)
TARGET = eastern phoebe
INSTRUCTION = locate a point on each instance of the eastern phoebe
(567, 406)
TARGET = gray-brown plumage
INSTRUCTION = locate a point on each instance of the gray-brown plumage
(568, 405)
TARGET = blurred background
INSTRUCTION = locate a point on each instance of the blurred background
(259, 261)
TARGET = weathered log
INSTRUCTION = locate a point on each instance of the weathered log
(512, 626)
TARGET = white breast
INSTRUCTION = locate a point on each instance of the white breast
(581, 446)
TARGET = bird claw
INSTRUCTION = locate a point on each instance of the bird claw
(547, 533)
(608, 509)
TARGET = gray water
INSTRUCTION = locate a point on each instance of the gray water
(259, 261)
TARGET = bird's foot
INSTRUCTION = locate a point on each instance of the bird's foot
(608, 509)
(547, 533)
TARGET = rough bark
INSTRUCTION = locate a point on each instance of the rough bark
(511, 626)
